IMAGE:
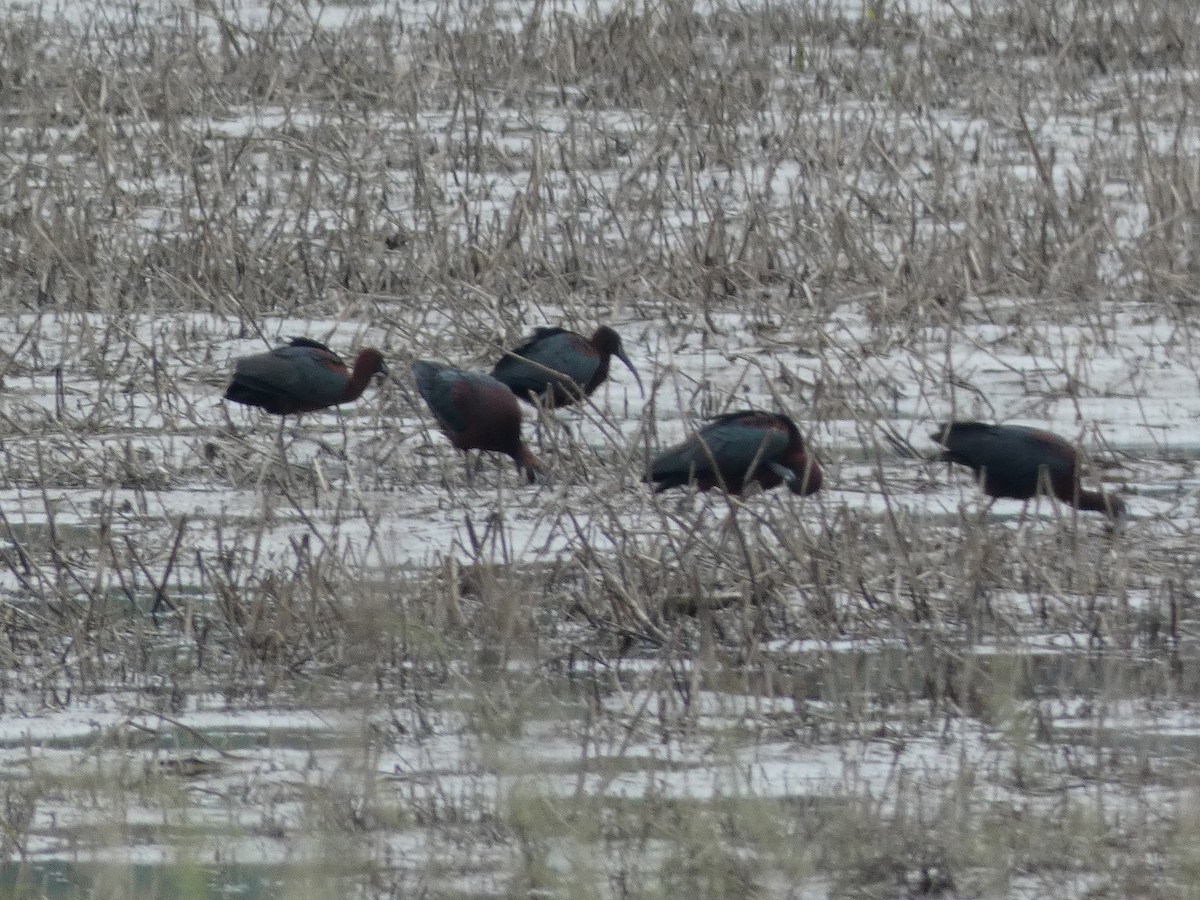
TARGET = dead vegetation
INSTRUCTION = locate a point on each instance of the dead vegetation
(871, 217)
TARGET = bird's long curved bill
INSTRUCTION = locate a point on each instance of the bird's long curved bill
(404, 388)
(620, 354)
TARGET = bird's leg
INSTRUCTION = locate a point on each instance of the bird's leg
(974, 551)
(564, 426)
(543, 411)
(319, 481)
(729, 525)
(985, 513)
(537, 428)
(345, 453)
(323, 444)
(285, 467)
(269, 460)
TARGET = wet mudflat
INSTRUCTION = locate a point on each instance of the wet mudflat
(344, 660)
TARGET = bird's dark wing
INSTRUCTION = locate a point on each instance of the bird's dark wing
(539, 334)
(316, 345)
(736, 445)
(722, 450)
(316, 373)
(451, 393)
(286, 378)
(1012, 455)
(679, 464)
(436, 384)
(524, 369)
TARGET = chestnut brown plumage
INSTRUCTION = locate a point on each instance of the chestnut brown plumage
(476, 412)
(1020, 462)
(559, 367)
(302, 376)
(736, 449)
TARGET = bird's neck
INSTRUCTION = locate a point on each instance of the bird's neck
(358, 381)
(601, 373)
(808, 480)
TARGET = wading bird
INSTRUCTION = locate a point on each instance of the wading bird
(301, 377)
(559, 367)
(738, 448)
(1019, 462)
(476, 412)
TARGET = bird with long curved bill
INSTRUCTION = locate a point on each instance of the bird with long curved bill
(302, 376)
(1020, 462)
(736, 450)
(476, 412)
(556, 367)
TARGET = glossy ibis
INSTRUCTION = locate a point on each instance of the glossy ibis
(477, 412)
(559, 367)
(1019, 462)
(735, 449)
(301, 377)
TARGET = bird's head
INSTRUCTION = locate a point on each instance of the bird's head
(608, 342)
(370, 361)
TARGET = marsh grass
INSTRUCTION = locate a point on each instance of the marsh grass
(337, 665)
